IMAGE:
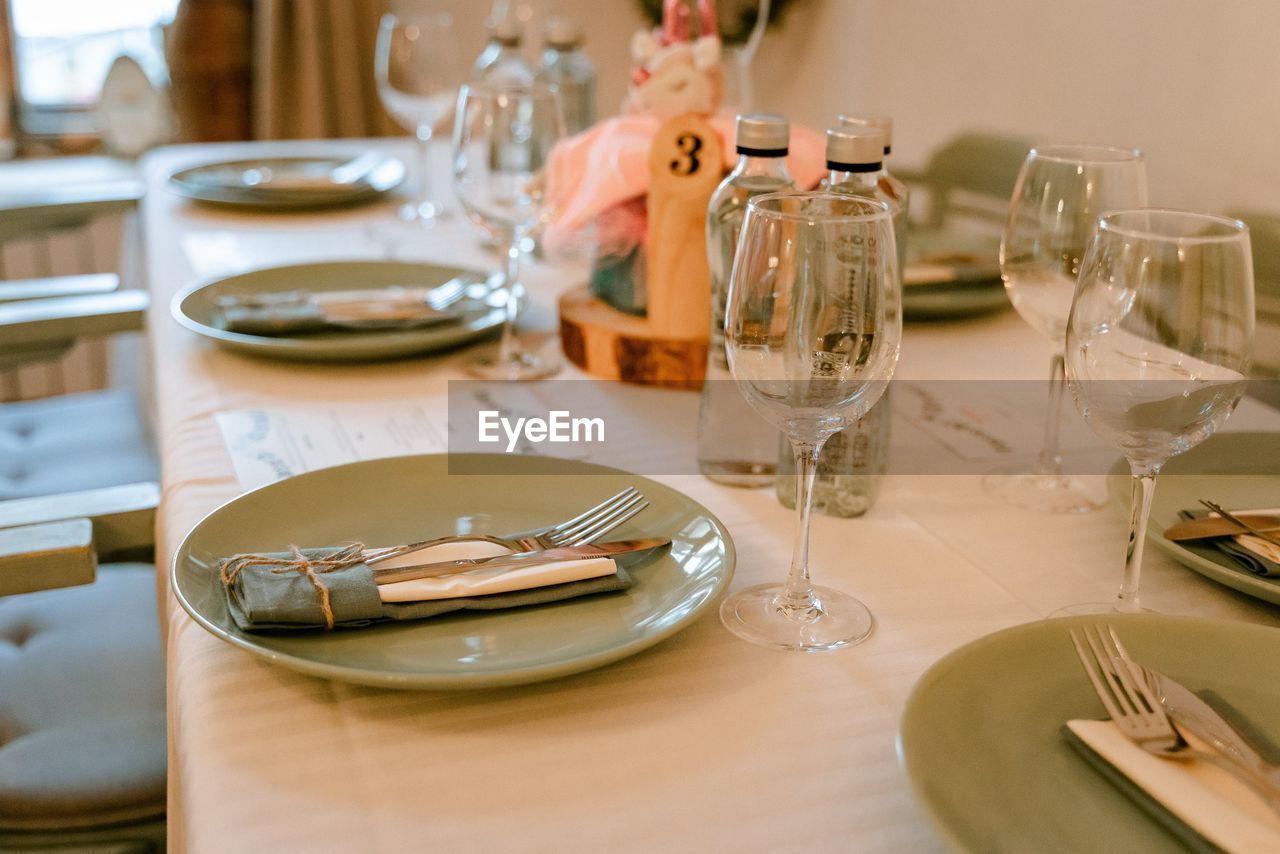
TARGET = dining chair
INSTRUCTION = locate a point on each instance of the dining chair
(82, 694)
(970, 176)
(58, 218)
(1264, 234)
(78, 441)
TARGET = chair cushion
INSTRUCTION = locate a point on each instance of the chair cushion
(73, 442)
(82, 704)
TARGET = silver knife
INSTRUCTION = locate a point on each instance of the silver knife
(391, 574)
(1201, 720)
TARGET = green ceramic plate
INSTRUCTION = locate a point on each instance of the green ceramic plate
(980, 737)
(972, 285)
(1246, 475)
(195, 309)
(406, 498)
(300, 182)
(953, 300)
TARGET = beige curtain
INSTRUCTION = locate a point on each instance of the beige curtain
(313, 69)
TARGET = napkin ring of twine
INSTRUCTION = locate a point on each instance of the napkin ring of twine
(298, 563)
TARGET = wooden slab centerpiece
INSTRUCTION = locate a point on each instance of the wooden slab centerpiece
(668, 347)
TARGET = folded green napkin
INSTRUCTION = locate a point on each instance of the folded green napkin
(272, 597)
(1246, 558)
(1152, 807)
(302, 318)
(1155, 810)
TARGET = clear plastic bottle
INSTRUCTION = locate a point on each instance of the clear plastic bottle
(566, 66)
(501, 61)
(891, 188)
(736, 446)
(852, 460)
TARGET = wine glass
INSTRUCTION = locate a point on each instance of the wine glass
(417, 70)
(1158, 343)
(1059, 195)
(502, 137)
(812, 329)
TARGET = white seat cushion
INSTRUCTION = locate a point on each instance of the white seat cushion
(82, 706)
(73, 442)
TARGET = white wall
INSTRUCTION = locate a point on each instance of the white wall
(1194, 83)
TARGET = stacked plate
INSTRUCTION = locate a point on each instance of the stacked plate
(291, 182)
(951, 275)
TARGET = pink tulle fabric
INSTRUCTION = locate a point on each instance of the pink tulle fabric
(608, 164)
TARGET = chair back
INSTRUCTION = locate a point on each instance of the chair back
(1264, 234)
(75, 225)
(973, 175)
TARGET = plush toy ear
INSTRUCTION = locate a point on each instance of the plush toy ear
(643, 46)
(706, 53)
(679, 53)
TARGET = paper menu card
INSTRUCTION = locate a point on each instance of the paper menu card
(270, 445)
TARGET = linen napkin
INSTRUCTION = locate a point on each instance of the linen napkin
(1251, 552)
(1204, 806)
(282, 595)
(303, 312)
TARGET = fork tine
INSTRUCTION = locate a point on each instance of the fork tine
(1133, 688)
(615, 521)
(1099, 687)
(569, 534)
(590, 512)
(1118, 681)
(574, 531)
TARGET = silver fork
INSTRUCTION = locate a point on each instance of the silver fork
(1138, 715)
(583, 528)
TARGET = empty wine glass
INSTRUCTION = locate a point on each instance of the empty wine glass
(418, 72)
(503, 135)
(1059, 195)
(1159, 340)
(812, 330)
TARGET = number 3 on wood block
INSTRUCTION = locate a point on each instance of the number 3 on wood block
(685, 166)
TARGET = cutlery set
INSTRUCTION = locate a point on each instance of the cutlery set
(1154, 711)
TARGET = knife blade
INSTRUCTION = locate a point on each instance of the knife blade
(1216, 526)
(391, 574)
(1201, 720)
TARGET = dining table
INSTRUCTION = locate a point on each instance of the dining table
(701, 743)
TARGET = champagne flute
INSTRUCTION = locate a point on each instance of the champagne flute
(503, 135)
(812, 331)
(1158, 344)
(1059, 195)
(417, 70)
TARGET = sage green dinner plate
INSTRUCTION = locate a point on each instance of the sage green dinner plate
(1240, 471)
(196, 309)
(981, 735)
(971, 284)
(276, 183)
(403, 499)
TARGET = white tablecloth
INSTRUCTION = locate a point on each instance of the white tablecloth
(705, 743)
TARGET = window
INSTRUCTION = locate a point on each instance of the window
(63, 49)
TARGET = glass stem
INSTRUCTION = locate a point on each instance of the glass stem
(1144, 487)
(508, 349)
(797, 600)
(1050, 461)
(423, 135)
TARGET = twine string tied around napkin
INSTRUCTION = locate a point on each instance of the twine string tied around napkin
(297, 562)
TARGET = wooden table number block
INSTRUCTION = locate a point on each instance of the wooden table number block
(669, 346)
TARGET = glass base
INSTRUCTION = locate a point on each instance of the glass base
(517, 366)
(1095, 609)
(1046, 493)
(759, 614)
